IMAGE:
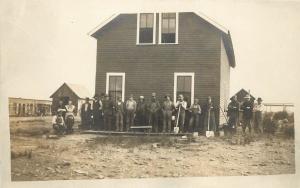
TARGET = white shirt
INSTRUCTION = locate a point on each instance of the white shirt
(182, 103)
(259, 107)
(86, 105)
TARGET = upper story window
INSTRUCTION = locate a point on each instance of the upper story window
(146, 28)
(168, 28)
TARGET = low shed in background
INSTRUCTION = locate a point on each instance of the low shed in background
(75, 92)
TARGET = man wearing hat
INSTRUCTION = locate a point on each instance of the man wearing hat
(153, 108)
(247, 108)
(181, 106)
(85, 113)
(107, 106)
(141, 112)
(130, 112)
(167, 109)
(97, 112)
(258, 115)
(233, 114)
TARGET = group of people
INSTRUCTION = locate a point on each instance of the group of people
(252, 114)
(105, 114)
(64, 119)
(109, 115)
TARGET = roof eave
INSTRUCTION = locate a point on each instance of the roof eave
(105, 22)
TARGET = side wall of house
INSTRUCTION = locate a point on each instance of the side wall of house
(224, 80)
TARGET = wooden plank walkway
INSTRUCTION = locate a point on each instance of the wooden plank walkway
(133, 133)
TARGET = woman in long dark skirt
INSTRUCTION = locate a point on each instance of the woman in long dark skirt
(209, 115)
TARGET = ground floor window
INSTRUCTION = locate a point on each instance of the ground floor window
(115, 85)
(184, 85)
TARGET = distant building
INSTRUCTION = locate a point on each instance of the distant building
(29, 107)
(75, 92)
(241, 94)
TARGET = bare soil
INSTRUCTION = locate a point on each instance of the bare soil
(36, 156)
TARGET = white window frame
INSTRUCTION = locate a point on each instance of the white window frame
(159, 29)
(108, 74)
(192, 74)
(138, 29)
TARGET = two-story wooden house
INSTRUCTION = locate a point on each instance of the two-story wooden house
(167, 53)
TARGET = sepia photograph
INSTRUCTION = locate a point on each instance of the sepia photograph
(105, 90)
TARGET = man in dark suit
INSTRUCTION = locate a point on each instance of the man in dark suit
(107, 112)
(97, 112)
(247, 108)
(86, 113)
(233, 114)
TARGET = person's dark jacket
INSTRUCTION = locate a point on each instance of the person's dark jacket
(247, 108)
(233, 108)
(85, 113)
(107, 107)
(119, 107)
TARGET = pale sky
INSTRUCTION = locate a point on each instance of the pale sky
(45, 43)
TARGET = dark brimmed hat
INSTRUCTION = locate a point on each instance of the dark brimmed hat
(96, 96)
(259, 99)
(87, 98)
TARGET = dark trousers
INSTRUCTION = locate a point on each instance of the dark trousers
(97, 120)
(181, 120)
(129, 119)
(167, 120)
(194, 122)
(247, 123)
(86, 121)
(141, 118)
(233, 122)
(153, 121)
(119, 121)
(258, 127)
(107, 122)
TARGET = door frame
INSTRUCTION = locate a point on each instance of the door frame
(176, 74)
(122, 74)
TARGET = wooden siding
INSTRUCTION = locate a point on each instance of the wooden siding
(63, 91)
(150, 68)
(224, 80)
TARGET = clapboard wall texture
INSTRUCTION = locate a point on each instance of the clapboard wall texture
(225, 84)
(150, 68)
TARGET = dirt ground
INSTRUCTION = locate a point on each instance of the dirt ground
(36, 156)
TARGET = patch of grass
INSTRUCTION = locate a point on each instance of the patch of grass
(25, 153)
(132, 141)
(33, 131)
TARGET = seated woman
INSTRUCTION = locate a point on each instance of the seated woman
(58, 122)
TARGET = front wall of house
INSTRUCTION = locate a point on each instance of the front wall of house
(150, 68)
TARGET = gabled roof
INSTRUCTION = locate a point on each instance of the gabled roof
(241, 94)
(79, 90)
(225, 33)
